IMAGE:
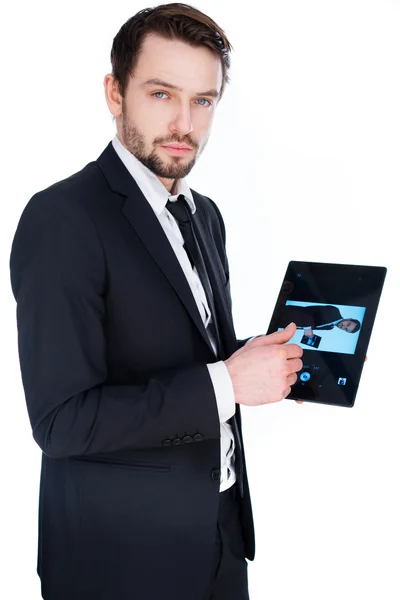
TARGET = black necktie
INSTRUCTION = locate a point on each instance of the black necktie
(180, 210)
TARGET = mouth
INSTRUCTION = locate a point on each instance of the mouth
(177, 150)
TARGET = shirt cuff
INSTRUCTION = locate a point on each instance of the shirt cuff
(223, 389)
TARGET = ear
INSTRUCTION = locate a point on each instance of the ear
(113, 97)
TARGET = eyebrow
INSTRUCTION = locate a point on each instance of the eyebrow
(155, 81)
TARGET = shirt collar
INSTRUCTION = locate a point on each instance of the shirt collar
(153, 190)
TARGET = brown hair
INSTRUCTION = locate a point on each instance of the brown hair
(174, 21)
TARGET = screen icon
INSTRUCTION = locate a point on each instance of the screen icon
(305, 376)
(311, 341)
(342, 381)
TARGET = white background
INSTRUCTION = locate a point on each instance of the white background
(306, 139)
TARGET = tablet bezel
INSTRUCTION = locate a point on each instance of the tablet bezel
(366, 282)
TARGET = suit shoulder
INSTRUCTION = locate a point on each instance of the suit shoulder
(65, 204)
(73, 188)
(206, 204)
(68, 198)
(210, 211)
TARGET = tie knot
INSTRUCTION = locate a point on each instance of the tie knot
(179, 209)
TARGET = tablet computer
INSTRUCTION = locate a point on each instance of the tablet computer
(334, 308)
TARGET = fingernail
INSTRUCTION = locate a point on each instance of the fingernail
(287, 326)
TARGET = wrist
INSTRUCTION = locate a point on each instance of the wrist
(231, 372)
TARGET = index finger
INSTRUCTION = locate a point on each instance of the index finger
(293, 350)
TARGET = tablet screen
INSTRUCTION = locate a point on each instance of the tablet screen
(334, 308)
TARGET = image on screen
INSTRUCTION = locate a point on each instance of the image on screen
(325, 327)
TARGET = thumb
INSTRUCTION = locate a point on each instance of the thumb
(280, 337)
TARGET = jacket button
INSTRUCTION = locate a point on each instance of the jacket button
(187, 439)
(198, 437)
(215, 474)
(166, 442)
(177, 441)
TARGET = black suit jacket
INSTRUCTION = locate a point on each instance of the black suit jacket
(312, 316)
(113, 357)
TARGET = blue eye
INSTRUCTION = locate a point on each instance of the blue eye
(201, 99)
(206, 101)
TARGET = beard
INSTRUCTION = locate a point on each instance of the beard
(175, 168)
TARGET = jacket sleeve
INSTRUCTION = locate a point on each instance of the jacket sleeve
(58, 278)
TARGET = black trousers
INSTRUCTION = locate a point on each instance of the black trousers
(229, 572)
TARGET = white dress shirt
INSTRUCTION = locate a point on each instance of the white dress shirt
(157, 195)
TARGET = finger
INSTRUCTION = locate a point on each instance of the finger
(279, 337)
(287, 392)
(299, 401)
(293, 351)
(291, 379)
(365, 359)
(294, 365)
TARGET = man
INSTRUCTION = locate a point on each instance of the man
(316, 316)
(132, 372)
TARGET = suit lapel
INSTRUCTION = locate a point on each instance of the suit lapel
(142, 219)
(217, 280)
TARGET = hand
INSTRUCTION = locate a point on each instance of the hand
(301, 401)
(264, 370)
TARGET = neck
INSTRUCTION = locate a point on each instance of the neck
(170, 184)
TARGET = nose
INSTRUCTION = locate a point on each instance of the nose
(182, 123)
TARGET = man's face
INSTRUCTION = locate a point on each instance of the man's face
(347, 325)
(154, 115)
